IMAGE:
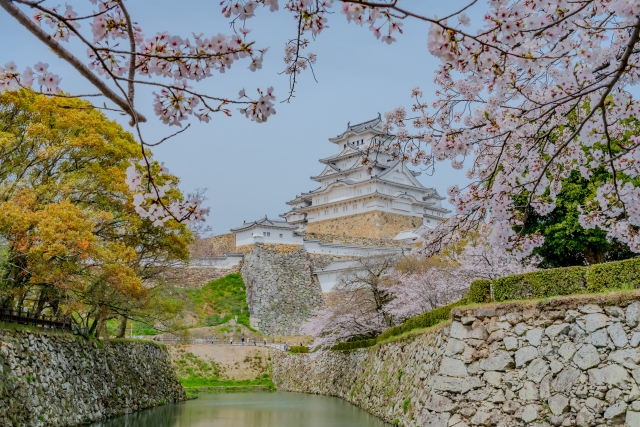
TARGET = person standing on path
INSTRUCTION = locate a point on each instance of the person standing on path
(242, 340)
(264, 340)
(231, 341)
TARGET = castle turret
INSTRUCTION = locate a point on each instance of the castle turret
(378, 200)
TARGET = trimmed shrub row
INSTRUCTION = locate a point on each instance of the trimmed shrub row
(298, 349)
(569, 280)
(616, 275)
(479, 292)
(424, 320)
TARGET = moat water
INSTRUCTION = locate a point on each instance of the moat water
(250, 409)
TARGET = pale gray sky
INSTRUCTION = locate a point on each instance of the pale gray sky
(252, 169)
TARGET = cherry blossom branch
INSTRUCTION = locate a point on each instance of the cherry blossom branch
(63, 53)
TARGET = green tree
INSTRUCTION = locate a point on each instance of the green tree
(566, 242)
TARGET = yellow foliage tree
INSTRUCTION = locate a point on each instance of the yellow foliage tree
(73, 243)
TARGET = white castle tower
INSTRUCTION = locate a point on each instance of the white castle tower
(377, 201)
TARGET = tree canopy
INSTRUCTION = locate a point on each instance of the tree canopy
(566, 242)
(74, 244)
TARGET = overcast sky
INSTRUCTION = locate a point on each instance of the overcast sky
(252, 169)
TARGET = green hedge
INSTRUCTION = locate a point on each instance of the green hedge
(608, 276)
(424, 320)
(538, 284)
(541, 284)
(614, 275)
(298, 349)
(479, 292)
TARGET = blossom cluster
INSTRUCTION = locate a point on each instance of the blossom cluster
(11, 79)
(430, 283)
(537, 91)
(151, 199)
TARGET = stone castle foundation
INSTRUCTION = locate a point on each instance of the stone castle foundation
(281, 291)
(571, 361)
(370, 225)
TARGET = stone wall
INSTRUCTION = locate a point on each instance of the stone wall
(281, 292)
(377, 225)
(195, 277)
(223, 243)
(62, 380)
(323, 260)
(360, 241)
(563, 362)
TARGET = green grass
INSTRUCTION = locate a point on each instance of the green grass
(199, 382)
(18, 327)
(405, 404)
(139, 327)
(218, 301)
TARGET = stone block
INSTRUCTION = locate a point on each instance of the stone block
(617, 334)
(595, 321)
(458, 331)
(598, 338)
(525, 355)
(453, 367)
(493, 378)
(586, 357)
(481, 418)
(632, 419)
(511, 343)
(537, 370)
(534, 336)
(437, 403)
(566, 379)
(499, 360)
(632, 315)
(558, 404)
(527, 413)
(567, 350)
(554, 330)
(616, 413)
(456, 385)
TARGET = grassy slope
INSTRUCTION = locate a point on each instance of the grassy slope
(194, 373)
(215, 303)
(218, 301)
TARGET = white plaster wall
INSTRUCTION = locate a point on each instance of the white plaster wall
(316, 247)
(378, 204)
(327, 280)
(259, 235)
(223, 261)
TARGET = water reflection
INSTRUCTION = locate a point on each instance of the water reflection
(251, 410)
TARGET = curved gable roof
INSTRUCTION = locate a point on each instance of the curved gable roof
(374, 124)
(402, 167)
(265, 222)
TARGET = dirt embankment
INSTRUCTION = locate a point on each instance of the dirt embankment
(223, 361)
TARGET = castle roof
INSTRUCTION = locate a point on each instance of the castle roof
(265, 222)
(374, 124)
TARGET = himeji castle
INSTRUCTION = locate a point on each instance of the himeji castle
(356, 210)
(379, 200)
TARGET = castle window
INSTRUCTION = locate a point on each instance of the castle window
(267, 234)
(281, 236)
